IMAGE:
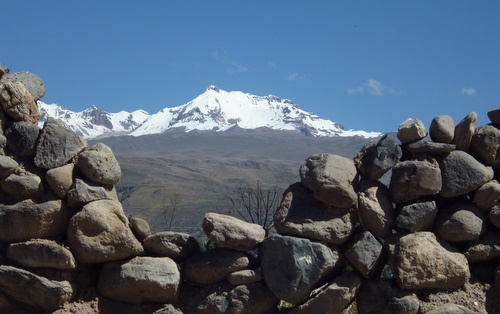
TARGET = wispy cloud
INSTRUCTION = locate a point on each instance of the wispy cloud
(295, 77)
(231, 65)
(468, 91)
(375, 88)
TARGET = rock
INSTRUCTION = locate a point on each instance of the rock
(292, 267)
(168, 309)
(464, 131)
(301, 214)
(27, 219)
(21, 138)
(461, 173)
(422, 262)
(213, 266)
(176, 245)
(412, 179)
(494, 116)
(411, 130)
(405, 305)
(25, 185)
(442, 129)
(251, 298)
(140, 228)
(450, 308)
(460, 222)
(377, 157)
(100, 233)
(140, 279)
(32, 82)
(485, 249)
(18, 103)
(60, 179)
(245, 276)
(488, 195)
(334, 298)
(494, 215)
(56, 145)
(485, 145)
(41, 253)
(365, 254)
(34, 291)
(332, 179)
(429, 148)
(99, 164)
(231, 232)
(85, 192)
(3, 71)
(376, 294)
(417, 216)
(375, 210)
(7, 166)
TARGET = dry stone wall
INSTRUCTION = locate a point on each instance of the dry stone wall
(341, 234)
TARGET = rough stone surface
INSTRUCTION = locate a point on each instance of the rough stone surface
(41, 253)
(32, 82)
(494, 215)
(375, 210)
(405, 305)
(140, 279)
(7, 166)
(99, 164)
(460, 222)
(176, 245)
(85, 192)
(245, 276)
(100, 233)
(424, 263)
(450, 308)
(461, 173)
(291, 267)
(485, 145)
(56, 145)
(140, 228)
(442, 129)
(411, 130)
(332, 179)
(485, 249)
(60, 179)
(18, 103)
(412, 179)
(301, 214)
(375, 296)
(417, 216)
(377, 157)
(24, 185)
(430, 148)
(213, 266)
(231, 232)
(365, 254)
(21, 138)
(488, 195)
(464, 131)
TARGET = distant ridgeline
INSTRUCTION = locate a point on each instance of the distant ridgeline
(419, 245)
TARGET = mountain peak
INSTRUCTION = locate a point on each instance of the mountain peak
(213, 87)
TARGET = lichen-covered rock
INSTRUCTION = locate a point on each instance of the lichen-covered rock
(99, 164)
(411, 130)
(460, 222)
(178, 246)
(442, 129)
(41, 253)
(18, 103)
(377, 157)
(375, 209)
(464, 131)
(412, 179)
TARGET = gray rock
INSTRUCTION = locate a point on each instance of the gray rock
(22, 137)
(332, 179)
(460, 222)
(301, 214)
(494, 215)
(405, 305)
(140, 279)
(18, 103)
(461, 173)
(22, 186)
(334, 298)
(464, 131)
(484, 249)
(85, 192)
(494, 116)
(32, 82)
(292, 267)
(176, 245)
(417, 216)
(375, 209)
(35, 291)
(60, 179)
(442, 129)
(99, 164)
(488, 195)
(485, 145)
(57, 145)
(450, 308)
(411, 130)
(140, 228)
(100, 233)
(422, 262)
(429, 148)
(245, 276)
(231, 232)
(377, 157)
(365, 254)
(27, 219)
(214, 265)
(41, 253)
(412, 179)
(7, 166)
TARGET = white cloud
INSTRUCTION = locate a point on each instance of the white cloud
(468, 91)
(376, 88)
(295, 77)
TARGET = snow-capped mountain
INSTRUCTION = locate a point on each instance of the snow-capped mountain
(214, 110)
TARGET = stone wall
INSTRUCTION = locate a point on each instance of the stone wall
(341, 235)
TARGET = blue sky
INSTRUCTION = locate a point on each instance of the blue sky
(364, 64)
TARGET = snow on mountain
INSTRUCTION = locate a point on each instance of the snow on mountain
(214, 110)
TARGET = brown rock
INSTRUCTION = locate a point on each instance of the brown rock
(60, 179)
(23, 185)
(176, 245)
(18, 103)
(442, 129)
(41, 253)
(32, 82)
(140, 228)
(464, 131)
(98, 164)
(245, 276)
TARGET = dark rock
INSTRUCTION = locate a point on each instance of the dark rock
(413, 179)
(366, 254)
(22, 137)
(176, 245)
(494, 116)
(417, 216)
(460, 222)
(442, 129)
(405, 305)
(377, 157)
(7, 166)
(464, 131)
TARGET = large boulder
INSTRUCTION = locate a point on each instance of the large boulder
(485, 145)
(176, 245)
(98, 164)
(100, 233)
(18, 103)
(41, 253)
(375, 209)
(378, 156)
(231, 232)
(300, 214)
(460, 222)
(464, 131)
(140, 279)
(422, 262)
(332, 179)
(442, 129)
(292, 267)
